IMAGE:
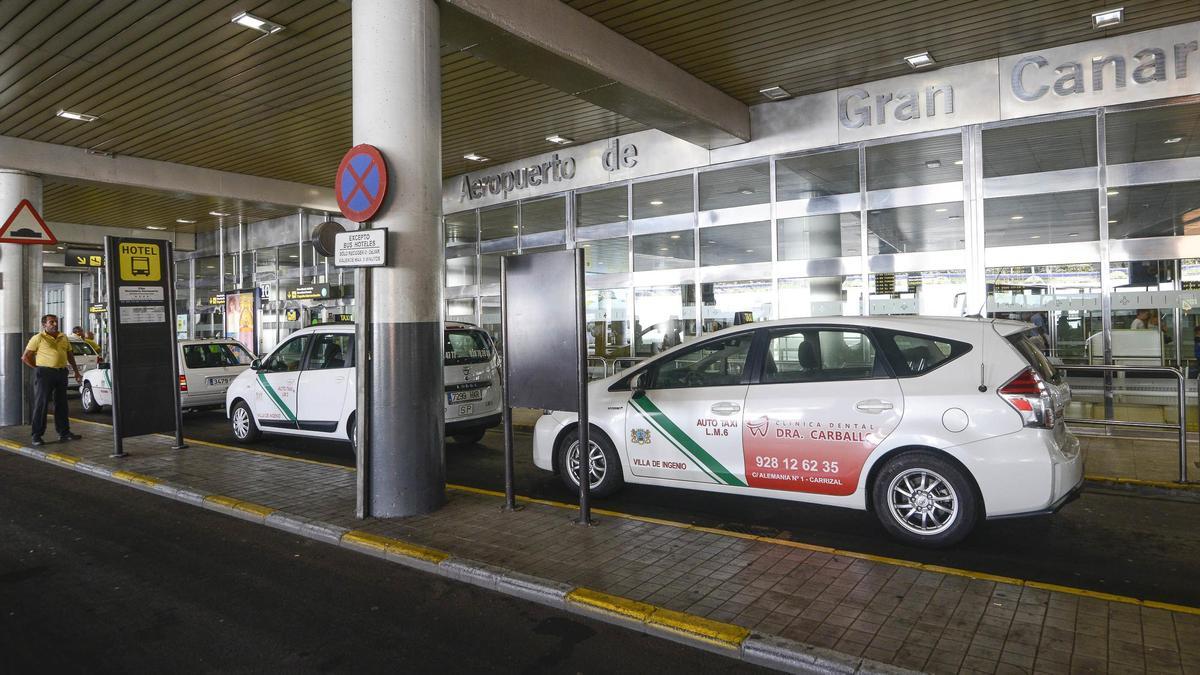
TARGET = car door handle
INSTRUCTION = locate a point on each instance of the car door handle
(873, 406)
(725, 408)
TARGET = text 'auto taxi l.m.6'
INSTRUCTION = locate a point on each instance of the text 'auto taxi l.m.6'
(930, 423)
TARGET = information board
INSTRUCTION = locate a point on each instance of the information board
(360, 248)
(541, 343)
(142, 338)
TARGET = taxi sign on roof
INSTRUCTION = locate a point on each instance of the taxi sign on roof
(361, 183)
(25, 226)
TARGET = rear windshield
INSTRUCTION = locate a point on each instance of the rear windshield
(1034, 357)
(82, 349)
(215, 355)
(467, 346)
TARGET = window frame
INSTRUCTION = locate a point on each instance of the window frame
(303, 355)
(625, 383)
(900, 367)
(866, 331)
(308, 353)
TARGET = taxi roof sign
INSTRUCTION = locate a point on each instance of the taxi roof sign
(25, 226)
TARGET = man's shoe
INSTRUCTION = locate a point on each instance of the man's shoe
(38, 442)
(69, 437)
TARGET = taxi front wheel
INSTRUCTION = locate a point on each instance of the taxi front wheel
(87, 399)
(925, 499)
(603, 464)
(242, 421)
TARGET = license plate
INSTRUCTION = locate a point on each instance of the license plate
(470, 395)
(219, 380)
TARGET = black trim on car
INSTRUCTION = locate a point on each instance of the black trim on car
(899, 365)
(477, 423)
(468, 386)
(323, 427)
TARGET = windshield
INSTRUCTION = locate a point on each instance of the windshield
(82, 349)
(215, 355)
(467, 346)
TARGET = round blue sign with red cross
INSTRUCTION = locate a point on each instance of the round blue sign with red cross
(361, 183)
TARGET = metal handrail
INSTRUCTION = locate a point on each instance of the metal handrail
(610, 365)
(1181, 427)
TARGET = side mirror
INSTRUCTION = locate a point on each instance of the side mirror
(103, 366)
(638, 384)
(255, 364)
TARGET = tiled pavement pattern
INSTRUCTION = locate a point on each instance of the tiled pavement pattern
(913, 617)
(1149, 459)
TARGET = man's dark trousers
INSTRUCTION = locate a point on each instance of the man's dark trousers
(48, 382)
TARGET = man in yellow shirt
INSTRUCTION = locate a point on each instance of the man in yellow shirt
(48, 353)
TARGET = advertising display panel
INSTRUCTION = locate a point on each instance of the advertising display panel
(241, 317)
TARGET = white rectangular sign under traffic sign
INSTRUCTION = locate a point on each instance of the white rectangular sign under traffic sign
(360, 248)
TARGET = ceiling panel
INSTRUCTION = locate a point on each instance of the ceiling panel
(176, 81)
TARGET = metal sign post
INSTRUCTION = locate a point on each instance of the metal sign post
(545, 352)
(143, 356)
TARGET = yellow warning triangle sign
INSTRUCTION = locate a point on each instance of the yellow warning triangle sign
(25, 226)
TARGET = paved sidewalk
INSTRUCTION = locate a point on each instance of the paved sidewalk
(785, 604)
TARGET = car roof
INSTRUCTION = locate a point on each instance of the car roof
(965, 329)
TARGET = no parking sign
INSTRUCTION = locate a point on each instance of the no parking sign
(361, 183)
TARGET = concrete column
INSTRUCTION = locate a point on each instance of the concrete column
(70, 317)
(397, 108)
(20, 295)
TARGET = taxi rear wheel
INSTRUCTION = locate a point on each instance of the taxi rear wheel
(603, 464)
(923, 499)
(242, 421)
(87, 399)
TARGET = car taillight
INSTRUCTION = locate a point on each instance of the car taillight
(1028, 395)
(183, 383)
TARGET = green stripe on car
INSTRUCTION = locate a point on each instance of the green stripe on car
(287, 412)
(685, 442)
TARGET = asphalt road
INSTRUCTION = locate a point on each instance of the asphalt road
(98, 578)
(1115, 543)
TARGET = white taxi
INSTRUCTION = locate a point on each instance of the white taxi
(85, 357)
(306, 386)
(931, 423)
(206, 367)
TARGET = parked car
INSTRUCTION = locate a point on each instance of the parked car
(206, 367)
(930, 423)
(85, 357)
(306, 386)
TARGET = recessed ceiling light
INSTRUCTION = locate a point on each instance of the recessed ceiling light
(749, 250)
(1035, 236)
(474, 157)
(746, 191)
(775, 93)
(1108, 17)
(1072, 234)
(1174, 139)
(262, 25)
(184, 221)
(664, 249)
(210, 267)
(656, 202)
(1112, 192)
(1018, 217)
(621, 216)
(710, 241)
(293, 257)
(940, 210)
(922, 60)
(1112, 222)
(516, 226)
(933, 164)
(674, 236)
(155, 227)
(217, 214)
(958, 162)
(559, 140)
(79, 117)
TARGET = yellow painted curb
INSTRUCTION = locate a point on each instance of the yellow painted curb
(1154, 604)
(131, 477)
(237, 504)
(1095, 595)
(613, 604)
(11, 445)
(396, 546)
(62, 459)
(982, 576)
(1168, 485)
(714, 632)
